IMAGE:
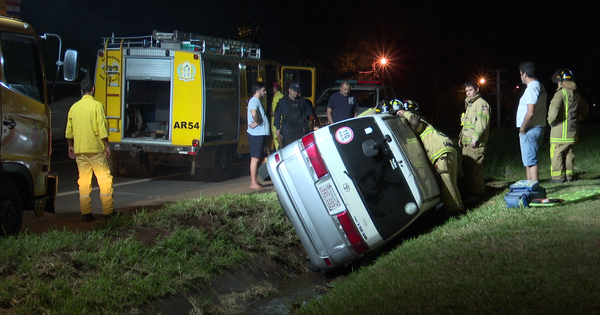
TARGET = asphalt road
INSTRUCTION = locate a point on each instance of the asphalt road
(168, 184)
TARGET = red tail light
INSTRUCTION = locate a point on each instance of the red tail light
(314, 155)
(352, 233)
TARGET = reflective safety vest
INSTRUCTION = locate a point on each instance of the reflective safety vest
(566, 109)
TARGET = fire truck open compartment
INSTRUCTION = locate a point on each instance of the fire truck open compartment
(147, 110)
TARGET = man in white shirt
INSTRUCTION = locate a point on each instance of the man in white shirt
(531, 119)
(258, 130)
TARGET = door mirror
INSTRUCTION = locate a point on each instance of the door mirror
(71, 65)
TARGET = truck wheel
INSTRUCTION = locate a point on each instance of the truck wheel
(11, 210)
(263, 172)
(144, 169)
(116, 168)
(223, 161)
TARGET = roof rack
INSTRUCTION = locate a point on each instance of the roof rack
(187, 41)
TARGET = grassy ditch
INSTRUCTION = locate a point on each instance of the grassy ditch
(126, 262)
(493, 260)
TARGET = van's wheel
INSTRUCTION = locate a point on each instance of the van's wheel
(263, 172)
(312, 267)
(144, 169)
(11, 209)
(223, 162)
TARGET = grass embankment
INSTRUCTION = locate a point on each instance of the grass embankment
(493, 260)
(125, 262)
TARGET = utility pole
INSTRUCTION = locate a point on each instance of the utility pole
(498, 96)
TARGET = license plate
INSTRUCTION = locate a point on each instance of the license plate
(329, 196)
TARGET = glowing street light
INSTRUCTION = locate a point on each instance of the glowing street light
(383, 61)
(482, 81)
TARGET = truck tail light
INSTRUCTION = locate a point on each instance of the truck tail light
(314, 155)
(352, 233)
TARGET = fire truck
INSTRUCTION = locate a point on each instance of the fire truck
(25, 179)
(176, 98)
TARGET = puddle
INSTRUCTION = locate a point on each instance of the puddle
(291, 295)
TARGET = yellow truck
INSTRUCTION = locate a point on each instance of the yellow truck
(175, 98)
(25, 179)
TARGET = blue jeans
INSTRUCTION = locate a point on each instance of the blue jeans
(530, 143)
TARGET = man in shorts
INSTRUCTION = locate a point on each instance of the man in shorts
(531, 119)
(258, 130)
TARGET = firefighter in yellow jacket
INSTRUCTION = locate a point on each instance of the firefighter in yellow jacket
(475, 122)
(566, 110)
(277, 95)
(442, 155)
(87, 136)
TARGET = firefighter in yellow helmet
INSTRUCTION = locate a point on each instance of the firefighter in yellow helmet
(442, 155)
(567, 108)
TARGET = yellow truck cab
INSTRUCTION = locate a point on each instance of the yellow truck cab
(176, 98)
(25, 179)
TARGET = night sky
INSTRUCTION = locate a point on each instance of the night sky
(433, 48)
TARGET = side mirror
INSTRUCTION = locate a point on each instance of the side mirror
(71, 65)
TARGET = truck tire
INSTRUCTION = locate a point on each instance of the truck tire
(144, 169)
(116, 168)
(11, 209)
(263, 172)
(223, 163)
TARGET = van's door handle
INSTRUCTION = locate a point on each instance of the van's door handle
(10, 123)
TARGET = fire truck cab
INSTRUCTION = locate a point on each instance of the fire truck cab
(25, 179)
(177, 98)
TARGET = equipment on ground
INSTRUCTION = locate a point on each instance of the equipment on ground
(566, 198)
(522, 192)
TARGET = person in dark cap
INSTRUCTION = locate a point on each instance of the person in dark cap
(567, 108)
(292, 115)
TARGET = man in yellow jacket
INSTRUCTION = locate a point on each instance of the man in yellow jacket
(475, 122)
(277, 95)
(566, 110)
(87, 136)
(442, 155)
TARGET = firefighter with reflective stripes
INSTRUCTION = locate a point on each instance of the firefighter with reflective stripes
(442, 155)
(475, 122)
(566, 110)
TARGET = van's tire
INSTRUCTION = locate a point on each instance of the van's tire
(312, 267)
(11, 209)
(223, 163)
(263, 172)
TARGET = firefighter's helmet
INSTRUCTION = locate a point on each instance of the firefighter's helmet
(563, 75)
(411, 105)
(396, 105)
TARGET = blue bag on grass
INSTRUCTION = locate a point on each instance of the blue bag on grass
(522, 192)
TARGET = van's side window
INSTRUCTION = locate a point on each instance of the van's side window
(21, 65)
